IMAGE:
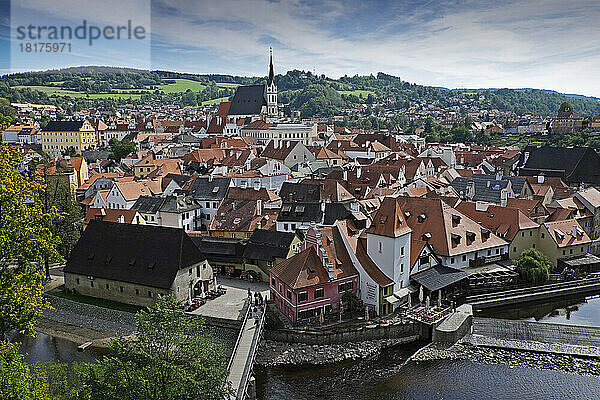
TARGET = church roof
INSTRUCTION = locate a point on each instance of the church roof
(248, 100)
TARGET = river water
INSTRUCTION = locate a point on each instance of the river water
(391, 377)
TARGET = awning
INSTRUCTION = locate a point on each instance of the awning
(392, 299)
(402, 292)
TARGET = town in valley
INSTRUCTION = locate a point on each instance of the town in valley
(287, 227)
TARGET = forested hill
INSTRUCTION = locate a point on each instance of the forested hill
(299, 90)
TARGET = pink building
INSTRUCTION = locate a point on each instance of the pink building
(314, 280)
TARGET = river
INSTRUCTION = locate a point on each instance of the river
(390, 377)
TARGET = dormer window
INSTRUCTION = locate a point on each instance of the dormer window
(456, 219)
(421, 218)
(470, 237)
(456, 239)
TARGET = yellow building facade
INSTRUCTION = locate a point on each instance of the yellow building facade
(58, 136)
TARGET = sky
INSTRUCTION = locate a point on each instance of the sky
(549, 44)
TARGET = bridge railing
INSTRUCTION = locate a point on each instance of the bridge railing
(237, 342)
(241, 392)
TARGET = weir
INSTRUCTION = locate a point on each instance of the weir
(536, 336)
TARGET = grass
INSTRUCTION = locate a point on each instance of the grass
(357, 92)
(49, 89)
(181, 85)
(215, 101)
(115, 305)
(226, 84)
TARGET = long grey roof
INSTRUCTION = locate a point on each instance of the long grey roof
(63, 126)
(248, 100)
(573, 165)
(486, 193)
(438, 277)
(139, 254)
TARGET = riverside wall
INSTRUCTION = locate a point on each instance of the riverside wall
(359, 334)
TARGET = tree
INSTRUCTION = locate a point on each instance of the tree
(174, 356)
(17, 381)
(25, 238)
(68, 213)
(533, 266)
(120, 149)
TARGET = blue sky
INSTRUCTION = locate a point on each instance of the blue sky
(548, 44)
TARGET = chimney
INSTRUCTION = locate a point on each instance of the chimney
(121, 219)
(470, 190)
(210, 178)
(358, 171)
(503, 197)
(259, 207)
(233, 205)
(345, 175)
(481, 206)
(257, 185)
(540, 179)
(499, 176)
(488, 183)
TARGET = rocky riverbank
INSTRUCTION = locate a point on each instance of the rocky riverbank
(512, 358)
(279, 354)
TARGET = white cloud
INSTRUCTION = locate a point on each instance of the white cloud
(471, 43)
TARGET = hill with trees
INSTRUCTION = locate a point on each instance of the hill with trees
(313, 95)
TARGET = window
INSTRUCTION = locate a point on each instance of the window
(121, 289)
(190, 272)
(137, 292)
(91, 283)
(530, 233)
(273, 281)
(380, 246)
(570, 251)
(515, 249)
(582, 249)
(489, 252)
(564, 252)
(319, 293)
(149, 293)
(289, 294)
(464, 257)
(452, 260)
(107, 287)
(522, 234)
(285, 227)
(543, 235)
(402, 251)
(344, 287)
(303, 296)
(77, 280)
(423, 260)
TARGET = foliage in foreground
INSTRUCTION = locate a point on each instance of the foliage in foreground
(25, 238)
(174, 357)
(17, 381)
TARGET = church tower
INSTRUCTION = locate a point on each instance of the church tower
(271, 89)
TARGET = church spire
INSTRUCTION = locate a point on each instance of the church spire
(271, 73)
